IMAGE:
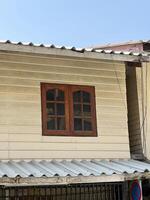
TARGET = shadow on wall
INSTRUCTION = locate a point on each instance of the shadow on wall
(134, 127)
(146, 189)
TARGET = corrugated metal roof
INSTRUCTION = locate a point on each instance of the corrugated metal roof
(23, 169)
(121, 44)
(80, 50)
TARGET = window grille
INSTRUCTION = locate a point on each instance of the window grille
(94, 191)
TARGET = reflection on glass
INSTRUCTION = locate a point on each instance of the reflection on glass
(60, 109)
(50, 95)
(60, 123)
(50, 108)
(59, 95)
(86, 97)
(55, 94)
(77, 124)
(51, 124)
(55, 106)
(87, 125)
(86, 110)
(77, 109)
(77, 96)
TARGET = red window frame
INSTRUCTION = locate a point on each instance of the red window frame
(69, 114)
(91, 91)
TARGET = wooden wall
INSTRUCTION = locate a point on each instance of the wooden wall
(20, 107)
(143, 85)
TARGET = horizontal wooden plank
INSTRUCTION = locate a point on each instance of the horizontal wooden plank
(37, 97)
(68, 154)
(19, 129)
(49, 139)
(4, 154)
(4, 145)
(18, 90)
(19, 121)
(112, 95)
(12, 81)
(111, 124)
(36, 130)
(26, 129)
(113, 132)
(27, 114)
(112, 116)
(26, 107)
(28, 146)
(110, 101)
(43, 77)
(11, 106)
(37, 107)
(20, 106)
(51, 60)
(4, 137)
(35, 101)
(16, 97)
(28, 101)
(55, 69)
(31, 121)
(112, 109)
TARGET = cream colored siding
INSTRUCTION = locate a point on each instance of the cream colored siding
(20, 107)
(143, 80)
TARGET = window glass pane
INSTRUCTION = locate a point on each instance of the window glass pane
(77, 124)
(50, 95)
(60, 95)
(87, 125)
(86, 110)
(77, 96)
(86, 97)
(60, 123)
(51, 124)
(77, 109)
(50, 108)
(60, 109)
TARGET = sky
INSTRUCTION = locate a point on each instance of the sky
(79, 23)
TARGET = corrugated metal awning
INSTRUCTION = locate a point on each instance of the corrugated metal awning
(73, 168)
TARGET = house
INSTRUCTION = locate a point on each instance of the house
(133, 46)
(64, 123)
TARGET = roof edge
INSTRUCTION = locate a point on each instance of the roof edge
(60, 180)
(73, 52)
(30, 181)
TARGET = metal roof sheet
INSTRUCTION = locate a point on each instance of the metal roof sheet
(12, 169)
(80, 50)
(131, 42)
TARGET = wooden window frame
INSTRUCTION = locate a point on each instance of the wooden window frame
(69, 119)
(45, 87)
(91, 90)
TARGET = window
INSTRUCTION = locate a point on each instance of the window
(68, 110)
